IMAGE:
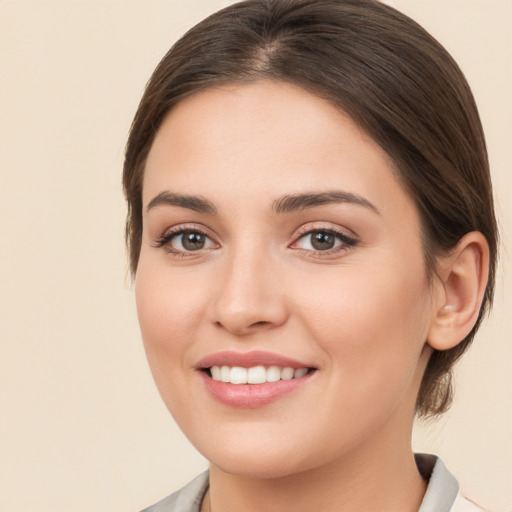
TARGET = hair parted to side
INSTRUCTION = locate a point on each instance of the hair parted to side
(385, 71)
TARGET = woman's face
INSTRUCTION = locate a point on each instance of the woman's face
(276, 236)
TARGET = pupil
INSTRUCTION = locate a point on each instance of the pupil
(192, 241)
(323, 241)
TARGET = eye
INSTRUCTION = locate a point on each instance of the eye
(185, 241)
(189, 241)
(323, 240)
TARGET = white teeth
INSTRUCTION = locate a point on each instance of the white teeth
(287, 373)
(216, 372)
(255, 374)
(273, 374)
(238, 375)
(300, 373)
(225, 374)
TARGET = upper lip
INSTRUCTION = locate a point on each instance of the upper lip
(249, 359)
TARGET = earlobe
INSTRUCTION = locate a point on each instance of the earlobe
(463, 279)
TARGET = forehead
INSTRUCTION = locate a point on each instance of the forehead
(265, 137)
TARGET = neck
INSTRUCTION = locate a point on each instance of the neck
(383, 478)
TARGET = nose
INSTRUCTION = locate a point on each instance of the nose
(250, 297)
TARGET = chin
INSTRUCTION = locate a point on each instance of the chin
(261, 466)
(252, 456)
(265, 460)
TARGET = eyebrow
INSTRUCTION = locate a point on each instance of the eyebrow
(294, 202)
(286, 204)
(195, 203)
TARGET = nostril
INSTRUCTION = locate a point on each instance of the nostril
(241, 328)
(259, 324)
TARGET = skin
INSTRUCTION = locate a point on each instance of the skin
(360, 314)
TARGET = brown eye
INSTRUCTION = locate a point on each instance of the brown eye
(184, 242)
(322, 240)
(191, 240)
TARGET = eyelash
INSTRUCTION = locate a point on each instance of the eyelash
(165, 240)
(346, 241)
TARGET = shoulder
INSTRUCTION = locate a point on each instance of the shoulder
(187, 499)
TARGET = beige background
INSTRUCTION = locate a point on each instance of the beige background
(81, 425)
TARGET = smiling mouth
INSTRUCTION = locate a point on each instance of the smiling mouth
(252, 379)
(255, 374)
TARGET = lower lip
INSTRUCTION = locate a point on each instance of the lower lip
(251, 396)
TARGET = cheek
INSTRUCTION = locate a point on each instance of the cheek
(167, 300)
(372, 326)
(168, 310)
(366, 302)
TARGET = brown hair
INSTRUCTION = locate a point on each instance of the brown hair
(397, 82)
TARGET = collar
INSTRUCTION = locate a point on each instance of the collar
(442, 486)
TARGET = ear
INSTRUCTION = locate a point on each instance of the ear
(463, 276)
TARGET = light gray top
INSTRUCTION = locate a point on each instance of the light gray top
(442, 491)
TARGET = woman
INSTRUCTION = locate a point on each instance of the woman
(312, 234)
